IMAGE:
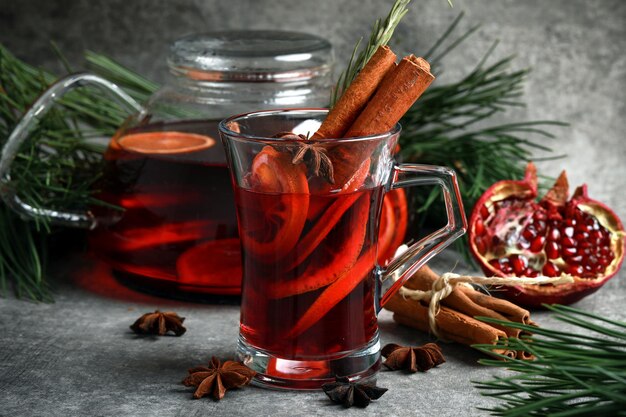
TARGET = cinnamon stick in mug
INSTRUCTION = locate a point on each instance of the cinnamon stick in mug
(395, 95)
(356, 96)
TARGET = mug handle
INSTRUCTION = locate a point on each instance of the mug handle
(406, 264)
(37, 110)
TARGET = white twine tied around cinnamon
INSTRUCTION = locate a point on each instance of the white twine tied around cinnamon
(446, 283)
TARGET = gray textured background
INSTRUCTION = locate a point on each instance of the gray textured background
(69, 358)
(575, 47)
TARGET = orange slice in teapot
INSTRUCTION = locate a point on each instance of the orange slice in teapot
(216, 264)
(271, 225)
(165, 142)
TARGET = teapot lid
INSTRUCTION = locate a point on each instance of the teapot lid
(251, 56)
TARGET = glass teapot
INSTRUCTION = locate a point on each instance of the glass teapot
(170, 215)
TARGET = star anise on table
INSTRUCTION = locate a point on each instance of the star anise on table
(217, 378)
(347, 393)
(412, 359)
(318, 161)
(159, 323)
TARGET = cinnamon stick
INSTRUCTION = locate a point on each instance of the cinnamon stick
(455, 320)
(356, 96)
(452, 326)
(394, 96)
(511, 311)
(459, 300)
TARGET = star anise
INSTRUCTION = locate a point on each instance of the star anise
(318, 161)
(347, 393)
(159, 323)
(217, 378)
(412, 359)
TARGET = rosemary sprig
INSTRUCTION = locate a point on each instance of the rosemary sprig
(573, 374)
(382, 31)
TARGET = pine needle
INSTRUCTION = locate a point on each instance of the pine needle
(55, 168)
(577, 373)
(449, 126)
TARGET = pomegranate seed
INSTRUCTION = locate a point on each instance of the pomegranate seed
(568, 242)
(554, 234)
(576, 270)
(584, 244)
(552, 250)
(598, 269)
(568, 252)
(484, 212)
(570, 222)
(582, 228)
(519, 264)
(596, 235)
(568, 231)
(481, 247)
(495, 263)
(581, 237)
(590, 261)
(551, 270)
(479, 227)
(540, 215)
(537, 244)
(529, 233)
(577, 259)
(530, 273)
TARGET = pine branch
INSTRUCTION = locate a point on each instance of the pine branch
(55, 168)
(449, 125)
(573, 374)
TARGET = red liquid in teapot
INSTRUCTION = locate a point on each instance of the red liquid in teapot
(175, 218)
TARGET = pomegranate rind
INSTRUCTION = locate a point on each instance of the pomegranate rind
(526, 189)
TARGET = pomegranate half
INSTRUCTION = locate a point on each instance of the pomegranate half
(511, 234)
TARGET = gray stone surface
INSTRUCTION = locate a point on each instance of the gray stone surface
(76, 357)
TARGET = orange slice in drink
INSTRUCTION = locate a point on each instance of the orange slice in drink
(284, 212)
(165, 142)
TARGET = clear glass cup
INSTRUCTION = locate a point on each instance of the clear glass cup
(311, 286)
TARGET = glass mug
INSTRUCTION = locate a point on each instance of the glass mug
(311, 287)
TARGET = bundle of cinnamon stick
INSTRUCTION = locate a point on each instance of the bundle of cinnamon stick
(373, 104)
(455, 320)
